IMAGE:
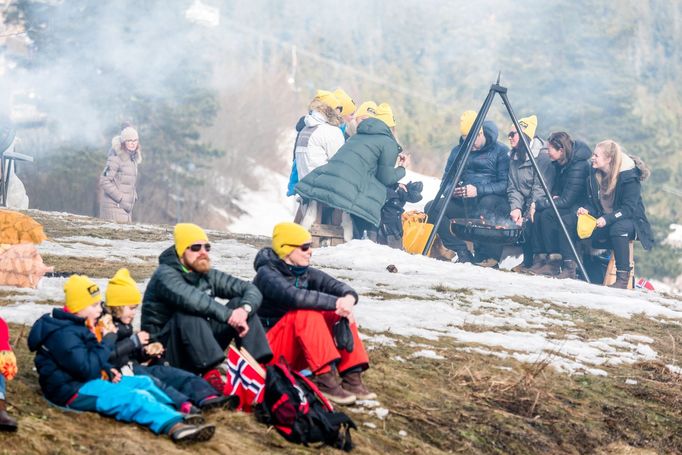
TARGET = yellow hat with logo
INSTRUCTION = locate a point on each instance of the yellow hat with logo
(385, 114)
(586, 225)
(287, 236)
(122, 290)
(529, 125)
(366, 109)
(347, 103)
(80, 292)
(185, 234)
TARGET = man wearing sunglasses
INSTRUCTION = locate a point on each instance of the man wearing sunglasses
(181, 311)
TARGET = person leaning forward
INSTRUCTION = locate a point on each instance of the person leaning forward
(180, 309)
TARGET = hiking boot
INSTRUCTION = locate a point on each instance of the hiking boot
(181, 433)
(352, 382)
(551, 268)
(330, 386)
(7, 422)
(488, 263)
(522, 268)
(539, 261)
(568, 270)
(229, 402)
(215, 378)
(193, 419)
(622, 279)
(440, 252)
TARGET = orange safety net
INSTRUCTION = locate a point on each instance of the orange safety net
(21, 266)
(15, 227)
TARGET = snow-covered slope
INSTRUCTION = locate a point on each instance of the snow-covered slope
(501, 314)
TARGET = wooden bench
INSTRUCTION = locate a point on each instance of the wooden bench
(326, 228)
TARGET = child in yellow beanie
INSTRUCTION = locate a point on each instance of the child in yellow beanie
(70, 360)
(134, 354)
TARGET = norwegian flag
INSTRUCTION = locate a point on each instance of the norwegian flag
(643, 283)
(244, 377)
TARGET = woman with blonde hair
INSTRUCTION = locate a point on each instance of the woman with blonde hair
(615, 199)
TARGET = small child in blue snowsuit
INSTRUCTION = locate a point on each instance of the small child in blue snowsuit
(132, 350)
(74, 370)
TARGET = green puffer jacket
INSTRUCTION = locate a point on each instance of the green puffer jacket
(172, 290)
(355, 178)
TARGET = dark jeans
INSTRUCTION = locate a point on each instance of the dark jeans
(547, 234)
(617, 237)
(180, 385)
(198, 344)
(360, 225)
(493, 208)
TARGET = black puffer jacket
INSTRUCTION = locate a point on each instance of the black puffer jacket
(570, 181)
(627, 201)
(171, 290)
(283, 291)
(128, 347)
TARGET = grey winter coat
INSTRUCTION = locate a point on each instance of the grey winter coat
(355, 178)
(117, 186)
(524, 186)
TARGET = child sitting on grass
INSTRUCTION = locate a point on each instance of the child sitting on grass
(74, 370)
(132, 352)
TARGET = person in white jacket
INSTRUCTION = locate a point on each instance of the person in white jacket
(321, 137)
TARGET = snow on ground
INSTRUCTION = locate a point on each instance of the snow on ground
(675, 237)
(501, 314)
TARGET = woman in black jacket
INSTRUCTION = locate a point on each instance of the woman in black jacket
(570, 160)
(302, 307)
(615, 199)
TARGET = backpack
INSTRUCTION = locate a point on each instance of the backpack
(299, 411)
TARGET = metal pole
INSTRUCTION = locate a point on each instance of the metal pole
(449, 182)
(505, 100)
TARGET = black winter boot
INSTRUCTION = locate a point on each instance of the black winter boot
(568, 270)
(622, 278)
(7, 422)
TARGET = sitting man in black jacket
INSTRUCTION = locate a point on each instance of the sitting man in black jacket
(181, 311)
(301, 308)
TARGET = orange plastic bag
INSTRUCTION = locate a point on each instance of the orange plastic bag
(416, 231)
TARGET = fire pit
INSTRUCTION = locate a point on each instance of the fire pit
(478, 230)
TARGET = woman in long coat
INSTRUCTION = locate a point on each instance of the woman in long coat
(117, 181)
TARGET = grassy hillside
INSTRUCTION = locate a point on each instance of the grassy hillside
(463, 402)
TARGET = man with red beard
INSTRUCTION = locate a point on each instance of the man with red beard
(180, 309)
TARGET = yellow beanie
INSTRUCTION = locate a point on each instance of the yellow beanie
(287, 236)
(529, 125)
(586, 225)
(122, 290)
(186, 234)
(81, 292)
(328, 98)
(385, 114)
(366, 109)
(466, 121)
(347, 103)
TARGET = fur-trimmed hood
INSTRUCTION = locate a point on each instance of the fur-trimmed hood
(116, 148)
(327, 113)
(644, 171)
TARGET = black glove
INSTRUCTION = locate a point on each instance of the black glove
(343, 337)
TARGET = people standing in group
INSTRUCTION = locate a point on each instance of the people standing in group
(8, 369)
(309, 316)
(614, 198)
(481, 192)
(180, 309)
(355, 179)
(72, 360)
(117, 182)
(570, 159)
(348, 108)
(524, 186)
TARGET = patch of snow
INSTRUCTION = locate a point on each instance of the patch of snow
(381, 413)
(630, 381)
(370, 425)
(402, 433)
(674, 369)
(427, 354)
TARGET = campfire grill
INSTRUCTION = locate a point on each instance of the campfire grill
(477, 230)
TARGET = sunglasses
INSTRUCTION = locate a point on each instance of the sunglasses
(197, 247)
(304, 247)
